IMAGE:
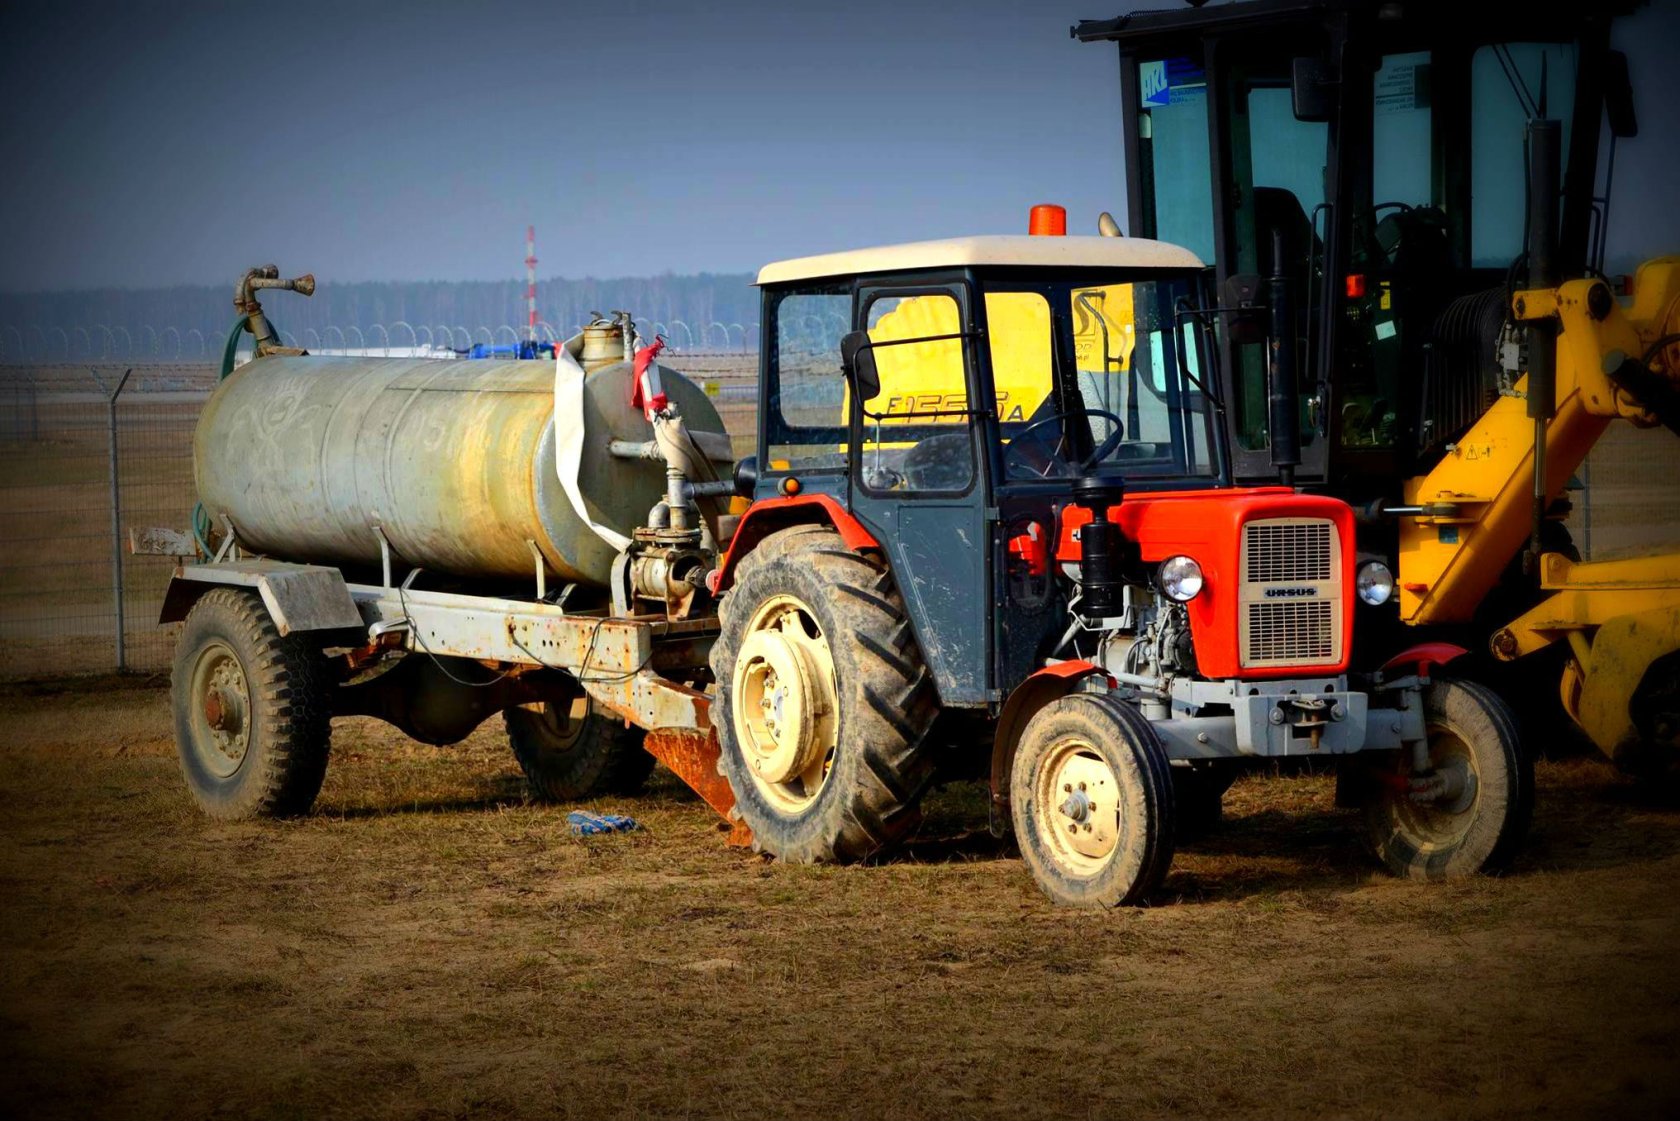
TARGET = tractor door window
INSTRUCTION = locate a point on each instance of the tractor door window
(917, 434)
(805, 415)
(1144, 412)
(1134, 403)
(1286, 154)
(1018, 336)
(1402, 157)
(1282, 162)
(1405, 262)
(1173, 148)
(1509, 83)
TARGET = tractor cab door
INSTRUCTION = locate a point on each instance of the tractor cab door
(918, 481)
(1220, 164)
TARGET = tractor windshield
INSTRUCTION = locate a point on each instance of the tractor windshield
(1093, 374)
(1099, 377)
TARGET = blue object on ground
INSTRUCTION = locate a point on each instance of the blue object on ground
(589, 825)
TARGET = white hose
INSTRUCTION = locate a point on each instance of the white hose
(568, 436)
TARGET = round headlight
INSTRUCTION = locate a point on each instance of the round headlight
(1180, 579)
(1375, 583)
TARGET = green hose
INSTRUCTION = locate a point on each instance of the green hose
(231, 351)
(201, 530)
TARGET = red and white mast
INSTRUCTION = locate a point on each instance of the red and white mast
(531, 281)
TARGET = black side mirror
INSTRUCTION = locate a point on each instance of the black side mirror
(1618, 97)
(857, 359)
(1312, 90)
(746, 476)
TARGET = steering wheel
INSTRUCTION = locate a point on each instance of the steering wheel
(1101, 452)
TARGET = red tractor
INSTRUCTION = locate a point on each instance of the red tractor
(992, 505)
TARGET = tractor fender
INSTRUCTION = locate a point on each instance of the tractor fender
(1424, 654)
(1048, 684)
(768, 515)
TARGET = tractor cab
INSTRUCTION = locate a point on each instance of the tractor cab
(1371, 159)
(952, 396)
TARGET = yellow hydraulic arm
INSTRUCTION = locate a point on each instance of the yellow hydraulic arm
(1474, 509)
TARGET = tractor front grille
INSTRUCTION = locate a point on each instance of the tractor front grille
(1291, 601)
(1284, 551)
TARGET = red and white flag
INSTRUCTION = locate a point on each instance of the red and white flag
(646, 393)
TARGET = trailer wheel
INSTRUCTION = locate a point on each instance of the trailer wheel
(1091, 794)
(252, 721)
(1479, 821)
(823, 703)
(571, 750)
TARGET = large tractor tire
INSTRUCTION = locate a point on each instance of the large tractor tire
(571, 750)
(252, 719)
(823, 704)
(1480, 823)
(1093, 801)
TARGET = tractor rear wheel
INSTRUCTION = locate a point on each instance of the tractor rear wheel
(1091, 794)
(571, 750)
(823, 703)
(252, 721)
(1477, 820)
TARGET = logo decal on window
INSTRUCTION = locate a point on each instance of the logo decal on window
(1152, 81)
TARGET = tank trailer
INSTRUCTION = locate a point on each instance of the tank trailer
(988, 528)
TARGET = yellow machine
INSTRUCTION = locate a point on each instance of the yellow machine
(1019, 343)
(1473, 510)
(1404, 208)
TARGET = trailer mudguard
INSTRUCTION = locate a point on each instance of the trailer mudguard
(299, 597)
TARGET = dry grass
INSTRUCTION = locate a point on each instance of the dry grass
(429, 945)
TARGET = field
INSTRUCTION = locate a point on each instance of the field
(430, 944)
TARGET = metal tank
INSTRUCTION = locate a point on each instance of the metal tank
(453, 460)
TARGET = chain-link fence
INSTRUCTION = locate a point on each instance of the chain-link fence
(88, 452)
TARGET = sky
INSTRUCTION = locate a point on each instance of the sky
(161, 143)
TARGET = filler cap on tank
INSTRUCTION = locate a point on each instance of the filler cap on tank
(603, 344)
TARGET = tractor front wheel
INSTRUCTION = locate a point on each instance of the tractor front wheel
(823, 703)
(1470, 811)
(1091, 794)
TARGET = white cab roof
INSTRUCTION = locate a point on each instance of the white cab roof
(958, 252)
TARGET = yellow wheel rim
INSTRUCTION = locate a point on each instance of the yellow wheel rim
(786, 706)
(1076, 803)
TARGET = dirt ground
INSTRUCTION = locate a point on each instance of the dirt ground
(429, 944)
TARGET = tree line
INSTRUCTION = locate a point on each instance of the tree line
(563, 303)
